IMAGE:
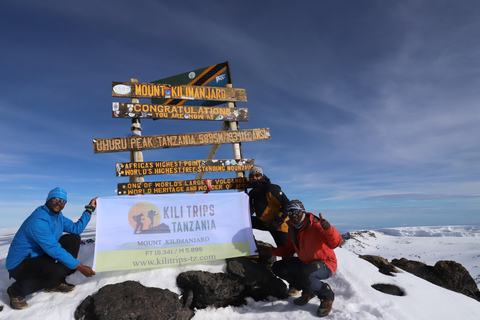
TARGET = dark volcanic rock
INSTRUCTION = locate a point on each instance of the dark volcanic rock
(132, 301)
(447, 274)
(260, 282)
(382, 264)
(388, 289)
(203, 289)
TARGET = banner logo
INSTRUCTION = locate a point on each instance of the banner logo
(144, 217)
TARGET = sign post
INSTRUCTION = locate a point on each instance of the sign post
(138, 143)
(136, 130)
(153, 90)
(124, 169)
(195, 95)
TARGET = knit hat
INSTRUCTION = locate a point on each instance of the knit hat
(295, 205)
(57, 193)
(256, 169)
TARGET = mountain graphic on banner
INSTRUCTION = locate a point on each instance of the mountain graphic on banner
(161, 228)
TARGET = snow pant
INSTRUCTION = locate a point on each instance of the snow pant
(43, 272)
(279, 237)
(305, 276)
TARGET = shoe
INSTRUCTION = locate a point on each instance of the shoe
(325, 308)
(303, 300)
(292, 291)
(63, 288)
(16, 302)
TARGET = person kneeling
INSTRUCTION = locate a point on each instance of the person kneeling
(313, 240)
(40, 257)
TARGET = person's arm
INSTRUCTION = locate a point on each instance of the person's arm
(48, 241)
(287, 250)
(78, 227)
(277, 192)
(90, 208)
(333, 238)
(85, 270)
(250, 201)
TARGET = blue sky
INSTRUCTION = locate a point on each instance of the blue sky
(373, 106)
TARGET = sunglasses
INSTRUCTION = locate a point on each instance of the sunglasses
(256, 175)
(293, 212)
(62, 201)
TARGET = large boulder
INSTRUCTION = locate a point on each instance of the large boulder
(259, 281)
(447, 274)
(381, 263)
(130, 300)
(202, 289)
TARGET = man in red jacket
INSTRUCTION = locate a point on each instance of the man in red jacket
(313, 240)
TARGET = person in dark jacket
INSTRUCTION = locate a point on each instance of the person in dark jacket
(40, 256)
(267, 202)
(312, 239)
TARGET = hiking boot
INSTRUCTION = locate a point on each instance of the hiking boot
(16, 302)
(305, 297)
(292, 291)
(325, 308)
(63, 288)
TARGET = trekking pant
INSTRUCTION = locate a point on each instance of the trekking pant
(43, 272)
(279, 237)
(305, 276)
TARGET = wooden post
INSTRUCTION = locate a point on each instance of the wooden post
(237, 148)
(136, 130)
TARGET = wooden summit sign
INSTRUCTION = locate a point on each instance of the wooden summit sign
(137, 143)
(159, 111)
(154, 90)
(181, 166)
(160, 187)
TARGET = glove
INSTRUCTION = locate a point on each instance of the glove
(324, 223)
(264, 251)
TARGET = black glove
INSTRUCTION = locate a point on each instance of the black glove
(324, 223)
(264, 251)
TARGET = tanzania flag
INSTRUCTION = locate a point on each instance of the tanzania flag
(217, 75)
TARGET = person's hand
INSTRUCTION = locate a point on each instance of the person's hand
(324, 223)
(93, 202)
(264, 251)
(85, 270)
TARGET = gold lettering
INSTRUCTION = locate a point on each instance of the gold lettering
(138, 90)
(202, 94)
(212, 94)
(139, 143)
(190, 92)
(175, 92)
(156, 91)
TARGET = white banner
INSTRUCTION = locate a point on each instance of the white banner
(153, 231)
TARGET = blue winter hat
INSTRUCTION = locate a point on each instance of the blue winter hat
(57, 193)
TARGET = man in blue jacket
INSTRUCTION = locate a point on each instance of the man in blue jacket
(40, 257)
